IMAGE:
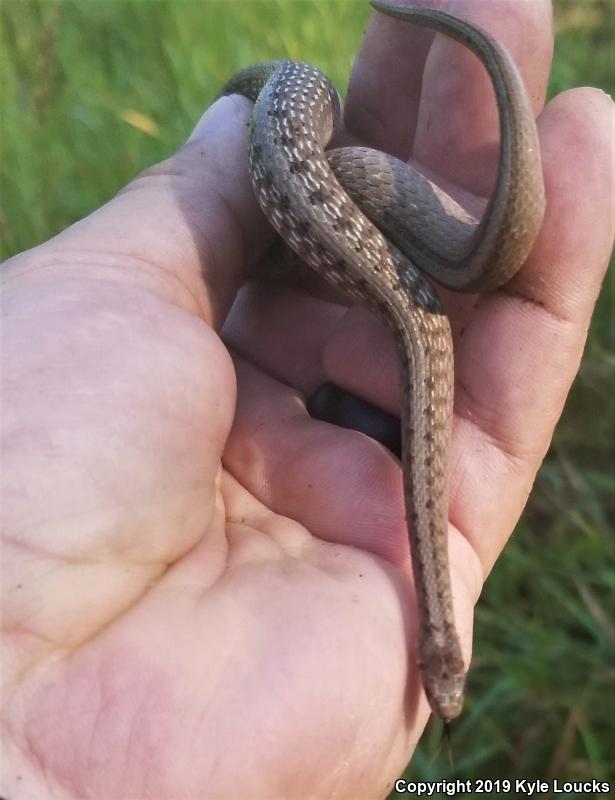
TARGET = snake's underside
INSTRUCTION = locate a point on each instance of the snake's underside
(335, 210)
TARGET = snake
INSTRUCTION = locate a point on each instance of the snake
(378, 229)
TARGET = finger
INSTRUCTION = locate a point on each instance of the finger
(457, 134)
(521, 350)
(186, 227)
(436, 101)
(337, 483)
(385, 85)
(282, 331)
(285, 333)
(566, 266)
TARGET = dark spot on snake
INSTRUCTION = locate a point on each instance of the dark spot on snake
(284, 202)
(317, 196)
(303, 228)
(344, 222)
(298, 167)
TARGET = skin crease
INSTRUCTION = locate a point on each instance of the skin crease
(192, 568)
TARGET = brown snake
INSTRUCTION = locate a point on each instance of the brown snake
(299, 187)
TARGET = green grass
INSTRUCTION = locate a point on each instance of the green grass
(73, 71)
(92, 92)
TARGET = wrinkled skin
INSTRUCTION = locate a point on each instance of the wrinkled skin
(207, 593)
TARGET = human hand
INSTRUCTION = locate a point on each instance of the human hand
(173, 626)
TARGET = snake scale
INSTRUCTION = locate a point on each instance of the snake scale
(375, 227)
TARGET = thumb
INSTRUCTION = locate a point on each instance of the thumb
(187, 228)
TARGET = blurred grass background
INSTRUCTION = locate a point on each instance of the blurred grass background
(92, 92)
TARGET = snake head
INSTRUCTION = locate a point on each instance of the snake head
(443, 675)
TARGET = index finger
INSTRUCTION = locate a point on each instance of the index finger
(413, 93)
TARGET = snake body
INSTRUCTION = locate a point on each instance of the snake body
(331, 208)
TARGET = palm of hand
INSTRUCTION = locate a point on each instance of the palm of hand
(185, 624)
